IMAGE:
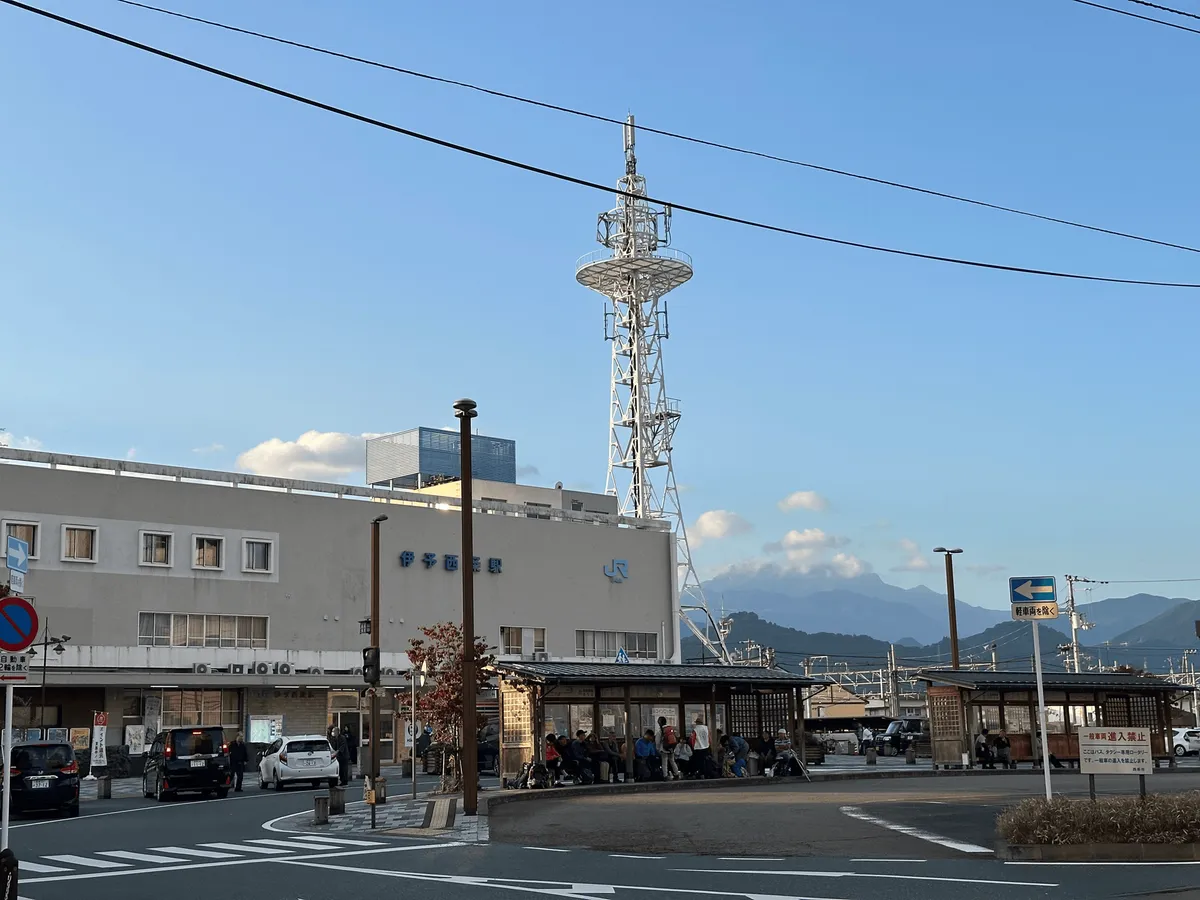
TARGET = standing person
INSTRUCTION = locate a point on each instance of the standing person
(683, 754)
(342, 750)
(352, 751)
(239, 756)
(668, 742)
(700, 748)
(1003, 750)
(983, 751)
(868, 740)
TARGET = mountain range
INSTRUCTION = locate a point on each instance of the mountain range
(819, 613)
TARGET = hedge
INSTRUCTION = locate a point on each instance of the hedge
(1157, 819)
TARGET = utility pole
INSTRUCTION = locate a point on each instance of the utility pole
(893, 683)
(464, 411)
(950, 601)
(995, 658)
(807, 698)
(375, 655)
(1077, 620)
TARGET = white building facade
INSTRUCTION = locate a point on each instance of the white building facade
(197, 597)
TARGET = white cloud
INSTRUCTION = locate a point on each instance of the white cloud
(131, 453)
(314, 456)
(211, 448)
(716, 524)
(25, 443)
(809, 500)
(916, 562)
(527, 470)
(808, 539)
(847, 565)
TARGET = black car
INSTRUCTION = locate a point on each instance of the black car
(44, 776)
(185, 760)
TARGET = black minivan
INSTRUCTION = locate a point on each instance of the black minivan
(44, 776)
(187, 759)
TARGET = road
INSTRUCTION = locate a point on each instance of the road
(239, 848)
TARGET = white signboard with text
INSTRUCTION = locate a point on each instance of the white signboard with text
(1115, 751)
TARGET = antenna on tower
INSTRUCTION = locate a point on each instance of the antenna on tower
(635, 271)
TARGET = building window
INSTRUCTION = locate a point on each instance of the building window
(537, 510)
(22, 531)
(78, 543)
(510, 640)
(539, 640)
(156, 629)
(257, 556)
(576, 506)
(210, 552)
(606, 644)
(195, 708)
(157, 548)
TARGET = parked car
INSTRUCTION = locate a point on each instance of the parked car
(1186, 741)
(44, 776)
(305, 758)
(902, 734)
(183, 760)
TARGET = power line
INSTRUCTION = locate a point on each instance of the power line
(1170, 9)
(1133, 15)
(662, 132)
(581, 182)
(1151, 581)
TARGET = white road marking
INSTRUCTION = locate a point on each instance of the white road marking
(816, 874)
(242, 848)
(633, 856)
(889, 860)
(919, 833)
(139, 857)
(189, 851)
(547, 849)
(24, 866)
(236, 862)
(73, 860)
(321, 839)
(294, 845)
(750, 858)
(1039, 863)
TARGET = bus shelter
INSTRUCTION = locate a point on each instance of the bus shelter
(621, 701)
(964, 702)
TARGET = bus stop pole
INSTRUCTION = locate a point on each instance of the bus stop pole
(8, 717)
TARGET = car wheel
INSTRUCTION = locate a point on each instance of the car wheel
(222, 793)
(262, 782)
(158, 791)
(72, 812)
(146, 788)
(1180, 750)
(278, 782)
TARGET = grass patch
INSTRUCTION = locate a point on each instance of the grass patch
(1159, 819)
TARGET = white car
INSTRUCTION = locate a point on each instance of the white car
(305, 758)
(1187, 741)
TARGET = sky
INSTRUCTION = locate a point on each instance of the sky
(196, 273)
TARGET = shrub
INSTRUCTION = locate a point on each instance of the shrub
(1159, 819)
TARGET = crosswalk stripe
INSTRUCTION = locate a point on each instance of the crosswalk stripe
(140, 857)
(26, 866)
(188, 851)
(295, 845)
(85, 861)
(321, 839)
(242, 848)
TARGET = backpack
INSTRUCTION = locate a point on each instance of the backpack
(669, 738)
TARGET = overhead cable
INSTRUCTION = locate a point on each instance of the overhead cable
(581, 182)
(1133, 15)
(659, 131)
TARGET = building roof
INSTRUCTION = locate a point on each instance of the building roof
(621, 673)
(1054, 681)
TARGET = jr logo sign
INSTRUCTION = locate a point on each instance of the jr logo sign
(617, 571)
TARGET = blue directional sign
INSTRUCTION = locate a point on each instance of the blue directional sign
(1034, 597)
(17, 551)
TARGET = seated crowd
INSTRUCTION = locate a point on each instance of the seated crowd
(662, 754)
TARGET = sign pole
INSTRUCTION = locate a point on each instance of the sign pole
(1037, 666)
(8, 717)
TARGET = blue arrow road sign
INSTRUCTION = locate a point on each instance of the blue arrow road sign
(1036, 589)
(17, 552)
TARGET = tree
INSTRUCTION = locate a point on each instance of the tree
(441, 705)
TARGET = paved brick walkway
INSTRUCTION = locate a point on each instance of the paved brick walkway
(427, 817)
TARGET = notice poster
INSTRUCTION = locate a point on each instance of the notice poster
(81, 738)
(135, 738)
(609, 720)
(264, 729)
(99, 739)
(152, 716)
(58, 735)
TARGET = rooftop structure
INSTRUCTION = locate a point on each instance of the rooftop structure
(420, 457)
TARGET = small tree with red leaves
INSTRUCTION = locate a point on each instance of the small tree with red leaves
(441, 704)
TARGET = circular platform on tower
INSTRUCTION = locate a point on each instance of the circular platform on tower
(664, 270)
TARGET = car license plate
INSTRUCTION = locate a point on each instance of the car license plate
(199, 763)
(39, 782)
(307, 762)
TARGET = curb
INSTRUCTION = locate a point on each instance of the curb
(1098, 852)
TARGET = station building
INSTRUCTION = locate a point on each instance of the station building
(195, 597)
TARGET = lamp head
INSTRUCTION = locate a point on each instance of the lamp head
(464, 409)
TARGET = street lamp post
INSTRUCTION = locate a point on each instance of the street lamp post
(417, 681)
(47, 640)
(950, 602)
(464, 411)
(375, 647)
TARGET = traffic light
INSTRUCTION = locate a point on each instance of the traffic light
(371, 665)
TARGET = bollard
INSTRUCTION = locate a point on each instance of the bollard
(9, 874)
(380, 791)
(910, 757)
(872, 757)
(320, 810)
(337, 800)
(104, 788)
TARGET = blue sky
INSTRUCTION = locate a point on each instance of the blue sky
(187, 264)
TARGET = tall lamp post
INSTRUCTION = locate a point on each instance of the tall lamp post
(464, 411)
(47, 640)
(375, 523)
(418, 680)
(950, 602)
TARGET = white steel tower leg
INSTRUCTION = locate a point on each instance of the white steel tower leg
(635, 271)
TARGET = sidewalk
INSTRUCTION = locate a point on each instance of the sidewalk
(426, 817)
